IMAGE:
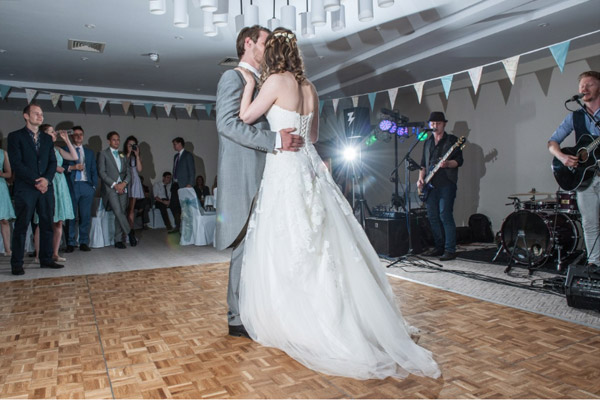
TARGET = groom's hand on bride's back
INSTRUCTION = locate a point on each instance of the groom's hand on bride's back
(290, 141)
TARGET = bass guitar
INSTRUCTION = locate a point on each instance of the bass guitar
(579, 177)
(427, 186)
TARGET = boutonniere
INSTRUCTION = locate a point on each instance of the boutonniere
(121, 155)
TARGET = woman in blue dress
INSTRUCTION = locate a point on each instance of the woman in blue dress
(63, 206)
(135, 189)
(7, 212)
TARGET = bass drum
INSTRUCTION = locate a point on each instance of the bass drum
(531, 236)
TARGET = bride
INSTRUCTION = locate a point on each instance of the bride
(311, 283)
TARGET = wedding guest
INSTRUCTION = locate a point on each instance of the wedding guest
(134, 163)
(7, 212)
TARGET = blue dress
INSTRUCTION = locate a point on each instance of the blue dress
(6, 208)
(63, 206)
(135, 186)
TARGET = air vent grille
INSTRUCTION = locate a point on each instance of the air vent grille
(230, 62)
(84, 45)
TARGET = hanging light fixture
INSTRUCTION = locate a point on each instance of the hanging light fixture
(251, 15)
(331, 5)
(365, 10)
(385, 3)
(220, 16)
(307, 29)
(288, 17)
(209, 27)
(338, 19)
(158, 7)
(318, 15)
(273, 22)
(209, 5)
(239, 19)
(181, 18)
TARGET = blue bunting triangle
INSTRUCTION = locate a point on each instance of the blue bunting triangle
(77, 100)
(148, 107)
(559, 52)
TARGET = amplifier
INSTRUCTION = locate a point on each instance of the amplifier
(582, 287)
(390, 236)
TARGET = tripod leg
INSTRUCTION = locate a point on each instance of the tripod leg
(500, 247)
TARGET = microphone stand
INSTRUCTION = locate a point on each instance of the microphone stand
(410, 165)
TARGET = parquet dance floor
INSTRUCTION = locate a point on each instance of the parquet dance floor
(162, 334)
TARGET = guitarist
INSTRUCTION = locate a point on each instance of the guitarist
(588, 198)
(440, 200)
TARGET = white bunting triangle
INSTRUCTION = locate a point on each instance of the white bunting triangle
(189, 108)
(126, 105)
(475, 75)
(102, 104)
(419, 89)
(393, 93)
(335, 104)
(510, 65)
(354, 101)
(30, 95)
(168, 107)
(55, 97)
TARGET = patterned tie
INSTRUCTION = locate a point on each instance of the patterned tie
(175, 166)
(78, 172)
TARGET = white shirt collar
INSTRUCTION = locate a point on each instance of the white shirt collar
(249, 68)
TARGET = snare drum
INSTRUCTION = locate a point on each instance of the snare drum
(540, 205)
(567, 202)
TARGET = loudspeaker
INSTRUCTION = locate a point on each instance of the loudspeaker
(582, 287)
(389, 237)
(357, 121)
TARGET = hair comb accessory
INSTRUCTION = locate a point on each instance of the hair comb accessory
(286, 35)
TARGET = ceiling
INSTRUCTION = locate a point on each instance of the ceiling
(411, 41)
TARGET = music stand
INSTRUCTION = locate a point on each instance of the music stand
(409, 165)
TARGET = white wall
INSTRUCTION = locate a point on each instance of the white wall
(154, 135)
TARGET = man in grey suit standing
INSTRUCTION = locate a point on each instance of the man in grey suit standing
(184, 174)
(242, 153)
(114, 174)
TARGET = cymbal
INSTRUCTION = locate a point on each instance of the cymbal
(533, 194)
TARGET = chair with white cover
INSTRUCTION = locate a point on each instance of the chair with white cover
(196, 228)
(96, 233)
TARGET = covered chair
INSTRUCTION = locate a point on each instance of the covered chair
(196, 228)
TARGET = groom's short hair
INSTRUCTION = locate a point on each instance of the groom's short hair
(252, 32)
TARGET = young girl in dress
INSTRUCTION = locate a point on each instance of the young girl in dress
(7, 211)
(135, 189)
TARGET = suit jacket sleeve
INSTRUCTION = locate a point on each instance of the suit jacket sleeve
(229, 95)
(93, 171)
(16, 149)
(107, 180)
(190, 167)
(52, 163)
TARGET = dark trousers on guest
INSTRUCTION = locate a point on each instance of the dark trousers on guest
(174, 204)
(164, 213)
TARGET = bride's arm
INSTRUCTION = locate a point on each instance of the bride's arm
(314, 128)
(250, 110)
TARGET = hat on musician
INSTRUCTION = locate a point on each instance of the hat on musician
(437, 116)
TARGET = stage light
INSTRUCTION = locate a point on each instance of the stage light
(370, 140)
(393, 128)
(402, 131)
(385, 125)
(350, 153)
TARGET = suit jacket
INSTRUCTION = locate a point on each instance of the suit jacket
(27, 164)
(242, 154)
(110, 173)
(90, 168)
(186, 169)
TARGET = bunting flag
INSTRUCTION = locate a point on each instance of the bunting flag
(559, 52)
(335, 104)
(392, 93)
(4, 91)
(30, 95)
(189, 108)
(102, 104)
(321, 104)
(510, 65)
(55, 97)
(148, 107)
(77, 100)
(372, 99)
(208, 108)
(354, 101)
(446, 83)
(475, 75)
(168, 107)
(419, 89)
(126, 105)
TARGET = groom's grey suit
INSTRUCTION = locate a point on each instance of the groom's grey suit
(109, 174)
(242, 153)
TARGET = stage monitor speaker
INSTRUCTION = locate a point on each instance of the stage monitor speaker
(357, 121)
(389, 237)
(582, 287)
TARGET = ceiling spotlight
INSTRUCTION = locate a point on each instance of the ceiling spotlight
(154, 57)
(90, 26)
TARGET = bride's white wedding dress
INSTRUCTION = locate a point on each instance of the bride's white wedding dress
(311, 283)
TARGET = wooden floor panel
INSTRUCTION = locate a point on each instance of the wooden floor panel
(162, 334)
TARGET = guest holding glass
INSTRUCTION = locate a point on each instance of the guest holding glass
(7, 212)
(134, 163)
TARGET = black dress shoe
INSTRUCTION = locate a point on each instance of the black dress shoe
(69, 249)
(238, 331)
(176, 230)
(435, 253)
(18, 271)
(53, 265)
(120, 245)
(132, 239)
(448, 256)
(84, 247)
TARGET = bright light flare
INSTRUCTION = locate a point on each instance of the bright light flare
(350, 153)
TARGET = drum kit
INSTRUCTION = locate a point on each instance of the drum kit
(537, 229)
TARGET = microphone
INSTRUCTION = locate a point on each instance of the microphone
(427, 130)
(576, 97)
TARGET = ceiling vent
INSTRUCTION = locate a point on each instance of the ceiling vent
(230, 62)
(83, 45)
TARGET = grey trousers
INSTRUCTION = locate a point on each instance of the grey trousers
(233, 289)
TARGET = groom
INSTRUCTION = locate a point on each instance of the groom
(242, 153)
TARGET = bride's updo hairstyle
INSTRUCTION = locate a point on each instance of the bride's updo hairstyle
(281, 55)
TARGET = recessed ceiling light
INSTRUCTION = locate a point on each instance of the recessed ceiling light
(142, 84)
(84, 58)
(90, 26)
(543, 24)
(198, 90)
(178, 37)
(11, 74)
(80, 79)
(2, 51)
(321, 57)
